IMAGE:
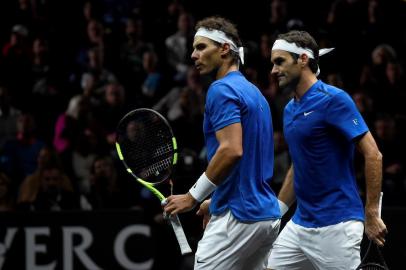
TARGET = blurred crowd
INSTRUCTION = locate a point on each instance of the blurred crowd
(69, 70)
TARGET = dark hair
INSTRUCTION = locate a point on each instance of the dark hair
(224, 25)
(303, 40)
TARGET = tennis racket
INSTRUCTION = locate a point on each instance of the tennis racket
(147, 147)
(373, 258)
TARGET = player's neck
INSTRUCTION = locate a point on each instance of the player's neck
(304, 85)
(225, 69)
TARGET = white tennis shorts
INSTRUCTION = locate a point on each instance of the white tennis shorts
(228, 244)
(325, 248)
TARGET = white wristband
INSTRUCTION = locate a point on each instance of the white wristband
(202, 188)
(283, 207)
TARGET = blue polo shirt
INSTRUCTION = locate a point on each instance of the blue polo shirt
(245, 191)
(320, 130)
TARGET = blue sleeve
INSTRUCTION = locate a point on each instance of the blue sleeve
(223, 106)
(344, 115)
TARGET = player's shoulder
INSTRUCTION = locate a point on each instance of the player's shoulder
(231, 83)
(331, 92)
(328, 89)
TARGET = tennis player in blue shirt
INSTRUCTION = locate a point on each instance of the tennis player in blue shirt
(245, 216)
(322, 127)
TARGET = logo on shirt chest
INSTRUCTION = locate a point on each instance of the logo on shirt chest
(307, 113)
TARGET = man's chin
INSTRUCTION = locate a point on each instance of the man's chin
(282, 85)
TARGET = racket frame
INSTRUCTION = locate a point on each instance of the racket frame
(173, 219)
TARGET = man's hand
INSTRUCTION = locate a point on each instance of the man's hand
(375, 228)
(204, 211)
(179, 203)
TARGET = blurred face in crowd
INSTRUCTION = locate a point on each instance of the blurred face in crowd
(114, 94)
(149, 61)
(51, 180)
(88, 83)
(134, 129)
(206, 55)
(103, 167)
(385, 129)
(88, 10)
(95, 59)
(393, 72)
(39, 46)
(285, 68)
(44, 157)
(25, 125)
(134, 28)
(95, 31)
(360, 101)
(184, 23)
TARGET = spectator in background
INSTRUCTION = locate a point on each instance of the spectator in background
(390, 97)
(131, 56)
(23, 12)
(282, 160)
(178, 46)
(77, 116)
(184, 108)
(39, 59)
(173, 10)
(19, 155)
(95, 66)
(52, 194)
(373, 74)
(335, 79)
(94, 38)
(153, 82)
(393, 150)
(90, 12)
(17, 46)
(8, 117)
(7, 202)
(31, 185)
(106, 189)
(264, 64)
(184, 101)
(112, 108)
(279, 16)
(16, 65)
(79, 135)
(277, 99)
(88, 143)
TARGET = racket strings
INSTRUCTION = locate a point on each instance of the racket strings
(371, 266)
(373, 259)
(156, 168)
(147, 146)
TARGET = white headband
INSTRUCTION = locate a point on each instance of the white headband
(220, 37)
(283, 45)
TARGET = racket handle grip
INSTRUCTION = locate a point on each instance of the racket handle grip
(180, 234)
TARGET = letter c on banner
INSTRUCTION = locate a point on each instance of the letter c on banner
(119, 245)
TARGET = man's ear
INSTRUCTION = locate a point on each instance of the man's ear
(225, 49)
(303, 59)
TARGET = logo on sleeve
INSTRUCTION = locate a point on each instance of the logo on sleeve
(307, 113)
(355, 121)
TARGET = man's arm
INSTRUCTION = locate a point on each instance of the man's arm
(287, 194)
(375, 228)
(227, 154)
